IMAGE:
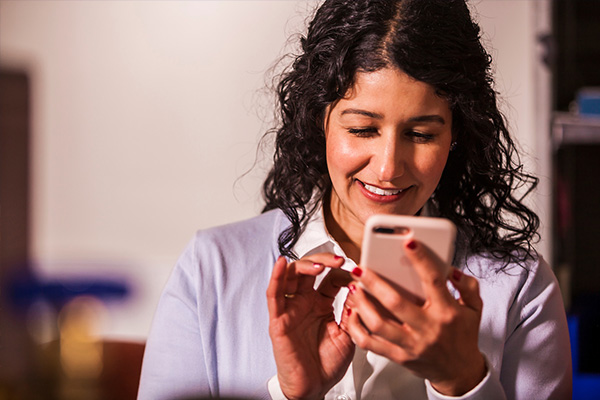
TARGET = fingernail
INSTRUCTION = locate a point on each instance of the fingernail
(317, 265)
(339, 258)
(357, 272)
(352, 288)
(411, 245)
(349, 311)
(456, 275)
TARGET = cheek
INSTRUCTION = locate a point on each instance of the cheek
(429, 165)
(343, 157)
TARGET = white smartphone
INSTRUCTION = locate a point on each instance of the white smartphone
(383, 248)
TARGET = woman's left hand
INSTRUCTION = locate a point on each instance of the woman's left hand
(436, 340)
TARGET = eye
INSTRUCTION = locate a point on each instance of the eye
(420, 137)
(363, 132)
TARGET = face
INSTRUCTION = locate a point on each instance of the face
(387, 143)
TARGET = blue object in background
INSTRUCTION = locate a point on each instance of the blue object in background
(588, 101)
(585, 386)
(26, 290)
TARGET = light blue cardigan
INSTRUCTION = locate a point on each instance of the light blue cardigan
(210, 331)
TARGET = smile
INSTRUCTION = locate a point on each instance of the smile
(380, 191)
(381, 195)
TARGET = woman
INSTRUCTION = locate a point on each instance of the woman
(388, 109)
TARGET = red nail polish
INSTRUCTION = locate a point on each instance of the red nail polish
(352, 288)
(456, 275)
(411, 245)
(316, 265)
(357, 272)
(337, 257)
(349, 311)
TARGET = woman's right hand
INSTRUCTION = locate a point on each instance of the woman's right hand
(312, 351)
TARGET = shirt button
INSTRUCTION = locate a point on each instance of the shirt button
(343, 397)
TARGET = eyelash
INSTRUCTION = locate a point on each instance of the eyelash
(414, 135)
(362, 132)
(421, 137)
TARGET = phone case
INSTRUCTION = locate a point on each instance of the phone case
(383, 247)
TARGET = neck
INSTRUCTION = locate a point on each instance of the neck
(350, 240)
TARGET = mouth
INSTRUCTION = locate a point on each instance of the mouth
(380, 191)
(381, 194)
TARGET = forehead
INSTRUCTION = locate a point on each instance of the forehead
(391, 91)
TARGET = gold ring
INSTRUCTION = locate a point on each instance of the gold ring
(289, 295)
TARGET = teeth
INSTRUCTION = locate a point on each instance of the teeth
(381, 192)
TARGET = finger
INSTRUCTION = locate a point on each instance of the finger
(311, 267)
(468, 287)
(333, 282)
(275, 290)
(399, 302)
(347, 311)
(431, 269)
(316, 263)
(300, 276)
(375, 317)
(349, 303)
(365, 340)
(327, 259)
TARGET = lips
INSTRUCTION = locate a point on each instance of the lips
(381, 195)
(380, 191)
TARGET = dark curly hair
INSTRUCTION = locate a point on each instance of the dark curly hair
(433, 41)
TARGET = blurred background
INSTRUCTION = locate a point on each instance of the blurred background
(128, 125)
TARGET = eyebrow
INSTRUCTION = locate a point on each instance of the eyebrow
(362, 112)
(421, 118)
(429, 118)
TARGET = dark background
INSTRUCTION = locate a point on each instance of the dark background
(574, 56)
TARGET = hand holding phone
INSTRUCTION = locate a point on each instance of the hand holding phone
(384, 243)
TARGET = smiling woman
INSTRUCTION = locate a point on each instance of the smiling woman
(389, 108)
(387, 143)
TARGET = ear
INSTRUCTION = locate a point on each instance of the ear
(453, 128)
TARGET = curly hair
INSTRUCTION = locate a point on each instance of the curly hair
(433, 41)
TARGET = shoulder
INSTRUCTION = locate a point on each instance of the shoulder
(260, 230)
(221, 250)
(531, 273)
(517, 290)
(226, 257)
(524, 319)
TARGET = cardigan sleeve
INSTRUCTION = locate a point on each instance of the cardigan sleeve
(536, 360)
(537, 354)
(209, 336)
(174, 363)
(488, 389)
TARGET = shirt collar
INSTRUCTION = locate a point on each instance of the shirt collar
(315, 238)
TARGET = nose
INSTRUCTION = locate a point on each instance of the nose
(388, 159)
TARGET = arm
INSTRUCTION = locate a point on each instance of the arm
(174, 362)
(537, 356)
